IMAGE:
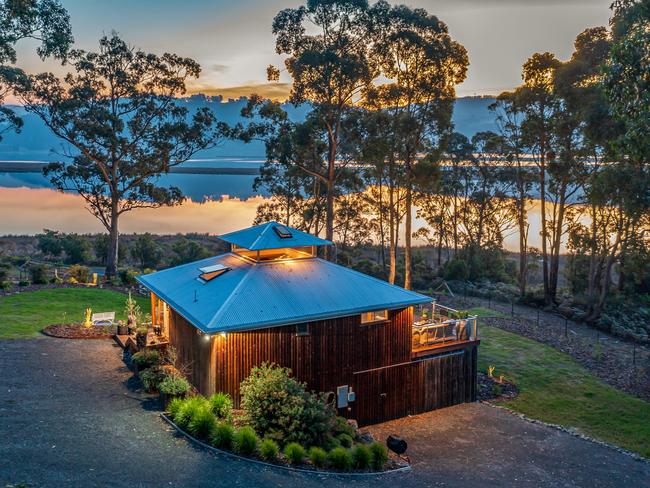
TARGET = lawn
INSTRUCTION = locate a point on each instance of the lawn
(24, 315)
(481, 312)
(554, 388)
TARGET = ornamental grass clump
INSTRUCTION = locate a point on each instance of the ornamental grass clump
(245, 441)
(317, 456)
(269, 450)
(379, 455)
(294, 453)
(339, 458)
(188, 410)
(223, 436)
(202, 422)
(279, 407)
(174, 406)
(221, 405)
(361, 456)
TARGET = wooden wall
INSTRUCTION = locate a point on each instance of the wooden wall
(374, 359)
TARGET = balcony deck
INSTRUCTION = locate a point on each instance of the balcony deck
(438, 328)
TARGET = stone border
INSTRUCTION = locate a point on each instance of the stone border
(202, 444)
(571, 431)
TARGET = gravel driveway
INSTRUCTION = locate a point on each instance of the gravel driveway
(69, 417)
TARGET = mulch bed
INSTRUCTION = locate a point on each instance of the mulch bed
(491, 389)
(78, 331)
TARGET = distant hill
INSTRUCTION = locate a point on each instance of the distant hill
(36, 142)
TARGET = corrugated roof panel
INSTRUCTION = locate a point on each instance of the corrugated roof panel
(264, 236)
(259, 295)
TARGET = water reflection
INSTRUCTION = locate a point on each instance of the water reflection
(30, 210)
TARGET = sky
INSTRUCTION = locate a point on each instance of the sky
(232, 40)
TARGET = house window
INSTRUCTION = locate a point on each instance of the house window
(302, 330)
(370, 317)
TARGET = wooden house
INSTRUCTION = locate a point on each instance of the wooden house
(384, 351)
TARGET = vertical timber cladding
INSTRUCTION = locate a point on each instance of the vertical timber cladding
(325, 358)
(415, 387)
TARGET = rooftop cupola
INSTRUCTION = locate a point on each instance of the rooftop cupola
(273, 242)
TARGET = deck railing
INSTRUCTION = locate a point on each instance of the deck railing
(439, 326)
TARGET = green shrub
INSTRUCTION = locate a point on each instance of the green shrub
(345, 440)
(280, 408)
(223, 436)
(341, 426)
(152, 377)
(146, 358)
(202, 422)
(5, 285)
(174, 406)
(23, 283)
(38, 274)
(127, 276)
(379, 455)
(245, 441)
(330, 442)
(317, 456)
(269, 450)
(339, 458)
(294, 453)
(79, 273)
(174, 385)
(187, 411)
(361, 456)
(221, 405)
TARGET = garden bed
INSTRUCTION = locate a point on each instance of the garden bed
(79, 331)
(393, 465)
(495, 389)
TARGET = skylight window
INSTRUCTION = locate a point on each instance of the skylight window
(282, 232)
(211, 272)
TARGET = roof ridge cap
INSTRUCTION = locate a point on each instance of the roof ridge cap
(259, 236)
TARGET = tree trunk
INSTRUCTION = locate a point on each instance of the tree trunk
(542, 196)
(392, 251)
(111, 259)
(329, 220)
(523, 250)
(407, 238)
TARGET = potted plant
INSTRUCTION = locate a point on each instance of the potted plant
(121, 328)
(141, 336)
(172, 386)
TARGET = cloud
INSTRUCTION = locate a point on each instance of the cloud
(274, 91)
(219, 68)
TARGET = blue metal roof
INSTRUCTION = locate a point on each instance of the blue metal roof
(265, 237)
(268, 294)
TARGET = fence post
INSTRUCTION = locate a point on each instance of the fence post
(566, 327)
(512, 307)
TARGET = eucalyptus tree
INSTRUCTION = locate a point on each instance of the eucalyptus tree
(539, 105)
(422, 64)
(45, 21)
(509, 117)
(124, 127)
(326, 44)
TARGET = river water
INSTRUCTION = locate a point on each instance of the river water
(216, 204)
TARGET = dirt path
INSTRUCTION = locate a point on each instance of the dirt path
(622, 364)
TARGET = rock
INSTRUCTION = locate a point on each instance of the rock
(365, 437)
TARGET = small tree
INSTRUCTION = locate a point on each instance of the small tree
(119, 115)
(146, 251)
(279, 407)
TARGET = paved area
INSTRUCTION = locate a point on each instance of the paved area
(70, 417)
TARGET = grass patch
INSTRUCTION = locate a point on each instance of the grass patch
(555, 388)
(24, 315)
(483, 312)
